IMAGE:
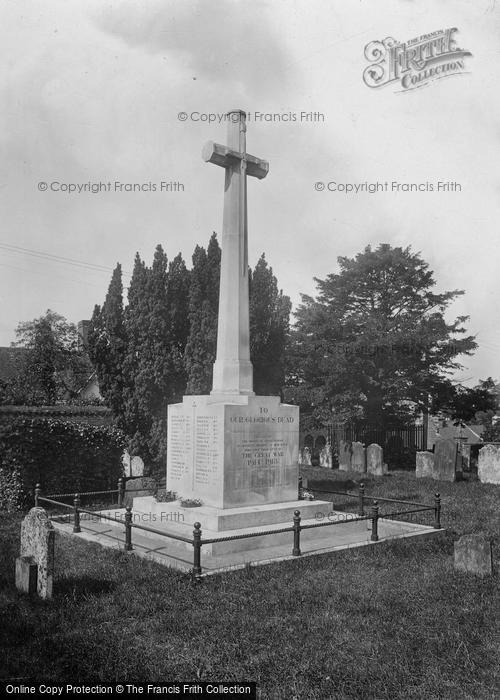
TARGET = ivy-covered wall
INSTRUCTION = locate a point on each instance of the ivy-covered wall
(63, 456)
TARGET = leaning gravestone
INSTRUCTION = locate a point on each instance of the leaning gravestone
(345, 456)
(375, 460)
(358, 462)
(488, 465)
(35, 565)
(473, 555)
(424, 466)
(445, 460)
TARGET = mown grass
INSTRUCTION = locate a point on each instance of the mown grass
(390, 621)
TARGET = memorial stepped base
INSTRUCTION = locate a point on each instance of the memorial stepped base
(179, 555)
(229, 522)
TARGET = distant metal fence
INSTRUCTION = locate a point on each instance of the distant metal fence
(400, 444)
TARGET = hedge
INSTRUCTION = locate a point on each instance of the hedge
(63, 456)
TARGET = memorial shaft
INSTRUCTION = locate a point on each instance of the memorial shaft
(233, 373)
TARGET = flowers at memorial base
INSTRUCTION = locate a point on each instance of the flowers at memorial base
(166, 496)
(190, 502)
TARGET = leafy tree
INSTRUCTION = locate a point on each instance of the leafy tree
(374, 344)
(269, 327)
(464, 404)
(54, 365)
(488, 416)
(201, 345)
(107, 343)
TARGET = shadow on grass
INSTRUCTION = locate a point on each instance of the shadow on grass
(328, 485)
(82, 588)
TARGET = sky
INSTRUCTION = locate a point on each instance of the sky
(101, 91)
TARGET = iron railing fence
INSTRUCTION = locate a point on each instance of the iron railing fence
(197, 540)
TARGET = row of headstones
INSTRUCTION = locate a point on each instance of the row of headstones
(442, 463)
(325, 457)
(354, 456)
(133, 466)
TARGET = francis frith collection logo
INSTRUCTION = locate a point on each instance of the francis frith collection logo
(416, 62)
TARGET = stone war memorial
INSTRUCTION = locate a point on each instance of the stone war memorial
(236, 452)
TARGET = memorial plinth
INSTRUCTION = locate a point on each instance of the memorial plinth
(233, 454)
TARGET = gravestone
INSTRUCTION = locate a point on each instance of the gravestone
(473, 555)
(329, 456)
(325, 456)
(35, 565)
(137, 488)
(136, 466)
(424, 465)
(488, 465)
(358, 461)
(445, 460)
(345, 456)
(375, 460)
(306, 457)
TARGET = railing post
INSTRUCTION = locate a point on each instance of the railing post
(374, 535)
(76, 506)
(361, 510)
(197, 550)
(296, 534)
(437, 511)
(128, 528)
(120, 492)
(38, 493)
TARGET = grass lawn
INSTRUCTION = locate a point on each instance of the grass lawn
(390, 621)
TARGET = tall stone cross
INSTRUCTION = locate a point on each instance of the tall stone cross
(233, 374)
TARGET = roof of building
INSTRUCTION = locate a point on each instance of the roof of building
(471, 432)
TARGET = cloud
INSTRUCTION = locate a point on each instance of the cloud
(229, 40)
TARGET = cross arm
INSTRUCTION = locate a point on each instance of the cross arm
(226, 157)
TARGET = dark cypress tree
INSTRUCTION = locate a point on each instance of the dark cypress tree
(178, 282)
(269, 326)
(135, 424)
(107, 345)
(203, 308)
(157, 324)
